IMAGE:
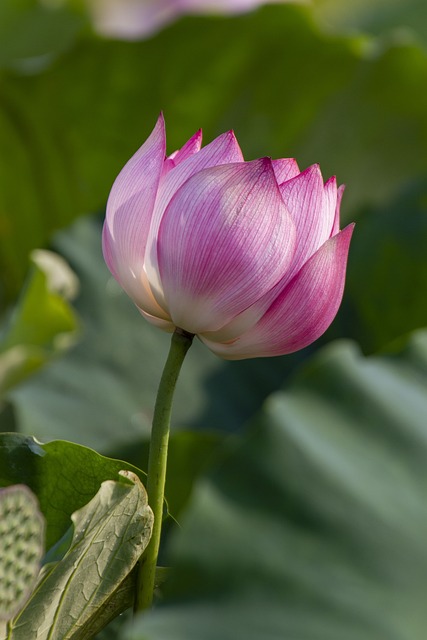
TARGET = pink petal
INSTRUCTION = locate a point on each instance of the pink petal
(285, 169)
(250, 316)
(225, 240)
(135, 19)
(129, 212)
(336, 225)
(305, 199)
(330, 193)
(160, 323)
(134, 283)
(190, 148)
(302, 312)
(223, 150)
(132, 19)
(219, 6)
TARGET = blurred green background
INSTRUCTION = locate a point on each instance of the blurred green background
(307, 473)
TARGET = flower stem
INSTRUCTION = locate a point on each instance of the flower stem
(157, 463)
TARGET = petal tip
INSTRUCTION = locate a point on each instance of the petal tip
(332, 181)
(231, 136)
(313, 170)
(160, 122)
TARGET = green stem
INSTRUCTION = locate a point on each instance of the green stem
(157, 463)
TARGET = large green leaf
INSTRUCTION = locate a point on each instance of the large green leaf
(43, 323)
(387, 272)
(401, 18)
(32, 35)
(73, 600)
(287, 89)
(63, 475)
(315, 527)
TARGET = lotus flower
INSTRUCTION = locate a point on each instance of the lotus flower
(247, 255)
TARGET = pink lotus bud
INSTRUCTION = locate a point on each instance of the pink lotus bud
(247, 255)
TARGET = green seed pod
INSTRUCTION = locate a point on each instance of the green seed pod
(21, 548)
